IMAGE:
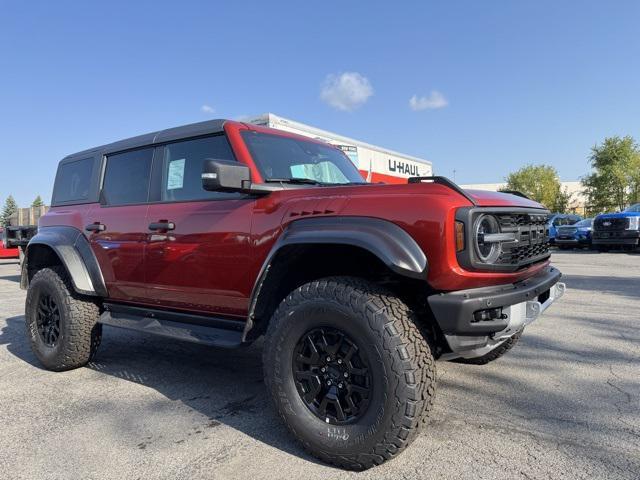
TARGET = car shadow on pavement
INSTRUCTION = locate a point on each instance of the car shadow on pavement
(624, 286)
(11, 278)
(224, 386)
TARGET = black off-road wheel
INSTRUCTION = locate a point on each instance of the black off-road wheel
(496, 353)
(61, 325)
(350, 373)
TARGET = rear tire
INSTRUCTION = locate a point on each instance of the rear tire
(61, 324)
(396, 367)
(494, 354)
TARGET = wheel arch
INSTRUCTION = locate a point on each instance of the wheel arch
(65, 246)
(327, 246)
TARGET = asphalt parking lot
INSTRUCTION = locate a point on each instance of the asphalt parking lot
(565, 403)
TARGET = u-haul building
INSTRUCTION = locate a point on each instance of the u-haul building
(376, 164)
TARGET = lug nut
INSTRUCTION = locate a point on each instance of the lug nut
(323, 369)
(339, 360)
(346, 375)
(328, 359)
(328, 383)
(340, 385)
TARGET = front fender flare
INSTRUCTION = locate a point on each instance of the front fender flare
(386, 240)
(74, 251)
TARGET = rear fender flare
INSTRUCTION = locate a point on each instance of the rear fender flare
(75, 254)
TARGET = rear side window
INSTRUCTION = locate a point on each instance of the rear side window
(73, 181)
(126, 177)
(182, 168)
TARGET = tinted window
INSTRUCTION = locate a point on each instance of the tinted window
(126, 178)
(282, 158)
(73, 181)
(565, 221)
(633, 208)
(182, 168)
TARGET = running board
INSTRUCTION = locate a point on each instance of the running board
(217, 332)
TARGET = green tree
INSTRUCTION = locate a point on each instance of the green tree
(10, 207)
(563, 198)
(615, 180)
(37, 202)
(540, 183)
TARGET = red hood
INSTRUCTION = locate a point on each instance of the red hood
(485, 198)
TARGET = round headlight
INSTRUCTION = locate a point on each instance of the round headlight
(488, 252)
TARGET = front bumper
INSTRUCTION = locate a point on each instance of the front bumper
(620, 237)
(573, 241)
(520, 304)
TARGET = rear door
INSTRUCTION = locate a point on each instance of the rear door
(198, 241)
(118, 228)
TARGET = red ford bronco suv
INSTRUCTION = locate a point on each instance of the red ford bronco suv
(222, 232)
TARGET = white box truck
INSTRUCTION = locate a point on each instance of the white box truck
(376, 164)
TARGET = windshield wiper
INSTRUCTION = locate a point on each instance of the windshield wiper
(307, 181)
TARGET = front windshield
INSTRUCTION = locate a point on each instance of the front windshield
(281, 158)
(559, 221)
(633, 208)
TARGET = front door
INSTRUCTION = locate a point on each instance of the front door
(118, 230)
(198, 242)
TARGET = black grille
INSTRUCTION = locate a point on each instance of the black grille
(610, 224)
(532, 237)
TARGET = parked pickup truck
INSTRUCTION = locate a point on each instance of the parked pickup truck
(17, 237)
(223, 232)
(7, 252)
(617, 230)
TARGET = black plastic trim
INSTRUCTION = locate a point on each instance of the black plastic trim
(74, 251)
(205, 330)
(454, 311)
(447, 183)
(386, 240)
(467, 257)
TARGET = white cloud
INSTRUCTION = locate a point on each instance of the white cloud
(433, 101)
(207, 109)
(346, 91)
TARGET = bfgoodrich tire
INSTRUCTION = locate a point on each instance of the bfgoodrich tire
(496, 353)
(61, 325)
(350, 373)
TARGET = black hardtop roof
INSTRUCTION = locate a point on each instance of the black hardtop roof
(161, 136)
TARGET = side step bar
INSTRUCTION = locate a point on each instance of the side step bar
(217, 332)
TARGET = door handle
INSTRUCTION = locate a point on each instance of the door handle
(95, 227)
(162, 226)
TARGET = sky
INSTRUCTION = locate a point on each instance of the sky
(481, 88)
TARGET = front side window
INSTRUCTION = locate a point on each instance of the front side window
(73, 181)
(281, 158)
(182, 168)
(126, 178)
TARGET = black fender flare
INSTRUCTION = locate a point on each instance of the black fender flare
(74, 251)
(384, 239)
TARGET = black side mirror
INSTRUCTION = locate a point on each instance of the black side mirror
(225, 176)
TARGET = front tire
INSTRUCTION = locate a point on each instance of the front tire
(346, 328)
(61, 325)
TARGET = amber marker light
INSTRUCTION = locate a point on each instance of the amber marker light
(459, 236)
